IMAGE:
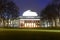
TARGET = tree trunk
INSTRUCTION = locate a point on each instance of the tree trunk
(55, 23)
(59, 21)
(47, 23)
(52, 23)
(7, 23)
(4, 23)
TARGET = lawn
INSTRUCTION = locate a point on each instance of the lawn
(29, 34)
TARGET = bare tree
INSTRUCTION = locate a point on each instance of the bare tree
(8, 10)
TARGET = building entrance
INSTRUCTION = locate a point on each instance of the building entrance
(29, 23)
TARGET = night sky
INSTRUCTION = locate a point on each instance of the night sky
(35, 5)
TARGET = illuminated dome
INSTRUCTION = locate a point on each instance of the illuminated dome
(29, 13)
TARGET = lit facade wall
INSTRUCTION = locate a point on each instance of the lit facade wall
(32, 23)
(29, 22)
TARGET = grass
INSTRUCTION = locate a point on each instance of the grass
(31, 30)
(29, 34)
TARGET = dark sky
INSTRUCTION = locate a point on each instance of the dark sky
(35, 5)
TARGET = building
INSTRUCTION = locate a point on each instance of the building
(29, 19)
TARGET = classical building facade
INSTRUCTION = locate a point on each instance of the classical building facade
(29, 21)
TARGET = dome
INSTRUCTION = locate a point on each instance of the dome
(29, 13)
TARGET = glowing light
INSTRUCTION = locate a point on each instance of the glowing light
(25, 24)
(30, 25)
(29, 13)
(34, 25)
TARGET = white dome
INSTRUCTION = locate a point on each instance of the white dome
(29, 13)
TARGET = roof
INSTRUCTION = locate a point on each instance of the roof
(29, 13)
(29, 17)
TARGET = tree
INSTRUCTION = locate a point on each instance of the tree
(52, 11)
(8, 10)
(49, 13)
(57, 4)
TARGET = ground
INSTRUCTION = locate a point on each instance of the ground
(29, 34)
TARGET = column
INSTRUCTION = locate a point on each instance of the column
(33, 23)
